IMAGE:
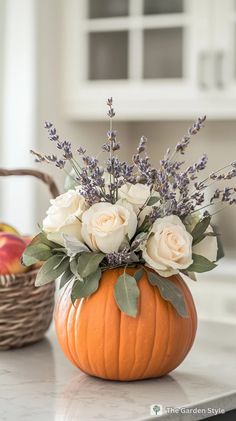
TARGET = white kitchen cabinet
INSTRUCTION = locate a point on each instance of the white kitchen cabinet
(159, 59)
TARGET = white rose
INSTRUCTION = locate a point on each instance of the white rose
(169, 247)
(105, 226)
(135, 194)
(63, 216)
(207, 247)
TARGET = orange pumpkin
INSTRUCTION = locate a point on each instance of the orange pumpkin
(103, 341)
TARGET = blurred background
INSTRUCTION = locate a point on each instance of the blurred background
(165, 62)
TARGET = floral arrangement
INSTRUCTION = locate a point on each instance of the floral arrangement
(119, 214)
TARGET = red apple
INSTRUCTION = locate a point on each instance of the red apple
(11, 249)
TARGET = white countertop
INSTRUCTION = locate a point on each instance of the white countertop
(38, 383)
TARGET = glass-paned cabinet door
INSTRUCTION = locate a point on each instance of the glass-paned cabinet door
(149, 46)
(132, 48)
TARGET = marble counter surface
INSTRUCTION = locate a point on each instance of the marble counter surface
(37, 383)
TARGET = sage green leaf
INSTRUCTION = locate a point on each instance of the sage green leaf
(125, 243)
(138, 274)
(42, 238)
(169, 292)
(74, 246)
(88, 263)
(66, 277)
(52, 269)
(87, 286)
(144, 227)
(133, 258)
(200, 264)
(190, 275)
(206, 234)
(200, 228)
(70, 181)
(126, 294)
(153, 200)
(60, 250)
(35, 253)
(74, 266)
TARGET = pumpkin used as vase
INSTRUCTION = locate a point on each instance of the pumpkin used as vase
(120, 240)
(104, 342)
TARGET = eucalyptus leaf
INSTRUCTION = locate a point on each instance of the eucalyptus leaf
(144, 227)
(87, 286)
(88, 263)
(125, 243)
(200, 264)
(126, 294)
(35, 253)
(200, 229)
(70, 181)
(42, 238)
(153, 200)
(138, 274)
(206, 234)
(74, 266)
(190, 275)
(52, 269)
(65, 277)
(169, 292)
(74, 246)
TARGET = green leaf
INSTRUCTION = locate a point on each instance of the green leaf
(126, 294)
(70, 181)
(200, 229)
(87, 286)
(42, 238)
(88, 263)
(144, 227)
(74, 246)
(125, 243)
(138, 274)
(52, 269)
(200, 264)
(169, 292)
(153, 200)
(66, 277)
(74, 266)
(206, 234)
(190, 275)
(35, 253)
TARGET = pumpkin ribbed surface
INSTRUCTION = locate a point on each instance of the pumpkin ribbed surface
(104, 342)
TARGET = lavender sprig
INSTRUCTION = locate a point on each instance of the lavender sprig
(194, 129)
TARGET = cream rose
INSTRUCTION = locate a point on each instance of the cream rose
(169, 247)
(208, 247)
(63, 216)
(135, 194)
(105, 226)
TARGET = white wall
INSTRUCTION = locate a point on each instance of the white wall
(18, 108)
(218, 138)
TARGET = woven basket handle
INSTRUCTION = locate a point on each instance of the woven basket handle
(47, 179)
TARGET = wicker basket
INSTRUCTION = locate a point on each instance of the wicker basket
(25, 311)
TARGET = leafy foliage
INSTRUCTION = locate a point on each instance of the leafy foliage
(200, 264)
(169, 291)
(87, 286)
(54, 267)
(126, 294)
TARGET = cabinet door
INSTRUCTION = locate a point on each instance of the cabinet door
(224, 59)
(148, 54)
